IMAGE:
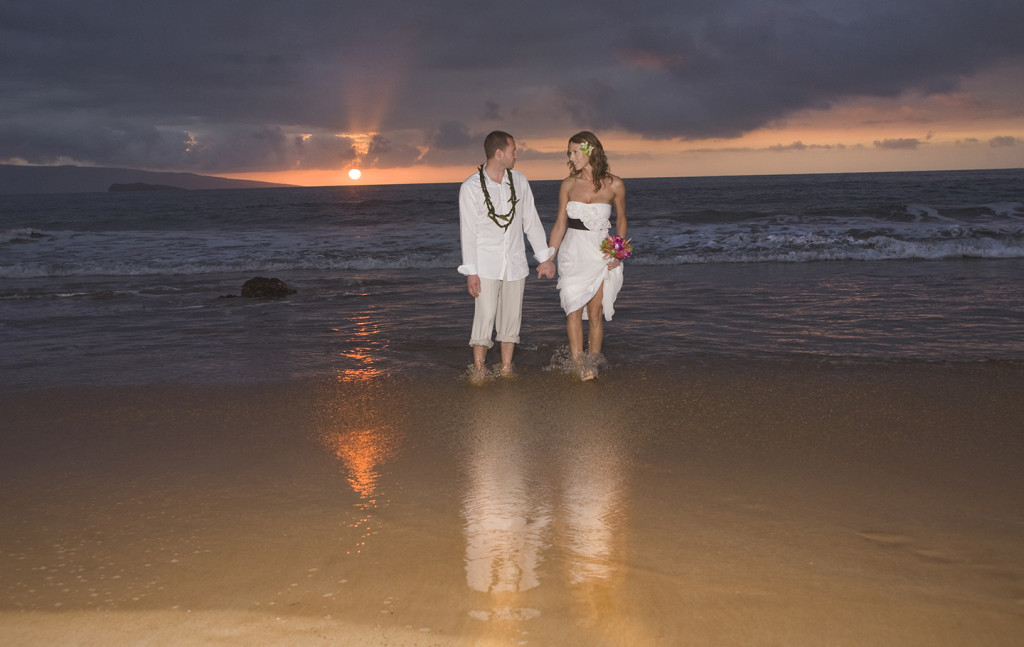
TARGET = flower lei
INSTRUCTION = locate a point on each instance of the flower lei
(505, 220)
(586, 148)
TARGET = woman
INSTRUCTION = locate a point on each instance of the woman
(588, 281)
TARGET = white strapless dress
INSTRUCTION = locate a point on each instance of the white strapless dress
(582, 268)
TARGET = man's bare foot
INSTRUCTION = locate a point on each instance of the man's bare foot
(506, 370)
(587, 374)
(477, 375)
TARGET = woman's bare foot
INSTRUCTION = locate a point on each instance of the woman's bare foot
(584, 367)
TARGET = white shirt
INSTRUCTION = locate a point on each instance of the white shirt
(488, 250)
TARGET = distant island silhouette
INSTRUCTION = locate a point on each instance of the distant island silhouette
(142, 186)
(89, 179)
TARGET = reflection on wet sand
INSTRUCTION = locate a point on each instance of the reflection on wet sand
(542, 515)
(505, 526)
(593, 508)
(354, 430)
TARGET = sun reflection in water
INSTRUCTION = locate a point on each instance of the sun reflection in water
(355, 432)
(364, 361)
(362, 452)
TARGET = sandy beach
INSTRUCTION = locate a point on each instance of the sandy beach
(780, 504)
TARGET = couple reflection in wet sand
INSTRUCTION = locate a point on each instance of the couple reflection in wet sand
(496, 210)
(540, 513)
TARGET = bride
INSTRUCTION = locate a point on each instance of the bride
(588, 280)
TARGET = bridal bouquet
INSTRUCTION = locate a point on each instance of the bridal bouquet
(615, 246)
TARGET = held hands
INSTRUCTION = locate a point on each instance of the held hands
(545, 270)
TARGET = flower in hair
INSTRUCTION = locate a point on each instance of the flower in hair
(586, 148)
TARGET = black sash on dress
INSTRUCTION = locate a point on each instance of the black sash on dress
(576, 223)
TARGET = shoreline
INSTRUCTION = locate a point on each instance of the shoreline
(720, 504)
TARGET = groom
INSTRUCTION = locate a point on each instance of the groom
(495, 209)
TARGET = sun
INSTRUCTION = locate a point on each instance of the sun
(355, 174)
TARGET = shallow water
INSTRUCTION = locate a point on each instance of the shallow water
(403, 322)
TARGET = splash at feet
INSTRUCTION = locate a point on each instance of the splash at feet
(586, 367)
(478, 376)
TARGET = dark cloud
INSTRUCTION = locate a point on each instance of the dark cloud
(1002, 142)
(267, 148)
(492, 111)
(234, 85)
(800, 146)
(51, 137)
(451, 136)
(795, 146)
(384, 153)
(898, 144)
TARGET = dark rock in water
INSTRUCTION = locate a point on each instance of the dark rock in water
(142, 186)
(262, 288)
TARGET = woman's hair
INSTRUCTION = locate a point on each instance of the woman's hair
(598, 161)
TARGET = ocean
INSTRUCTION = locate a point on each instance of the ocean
(130, 288)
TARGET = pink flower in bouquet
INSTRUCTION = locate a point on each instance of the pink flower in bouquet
(617, 247)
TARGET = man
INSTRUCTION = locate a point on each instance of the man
(496, 208)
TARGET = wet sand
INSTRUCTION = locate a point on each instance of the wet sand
(797, 504)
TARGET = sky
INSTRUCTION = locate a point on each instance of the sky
(303, 91)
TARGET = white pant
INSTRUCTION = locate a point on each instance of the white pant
(499, 307)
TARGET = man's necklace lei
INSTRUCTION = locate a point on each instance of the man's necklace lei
(502, 221)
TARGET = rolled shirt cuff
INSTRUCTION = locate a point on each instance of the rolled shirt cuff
(545, 255)
(468, 270)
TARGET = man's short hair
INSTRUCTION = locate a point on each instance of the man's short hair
(496, 141)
